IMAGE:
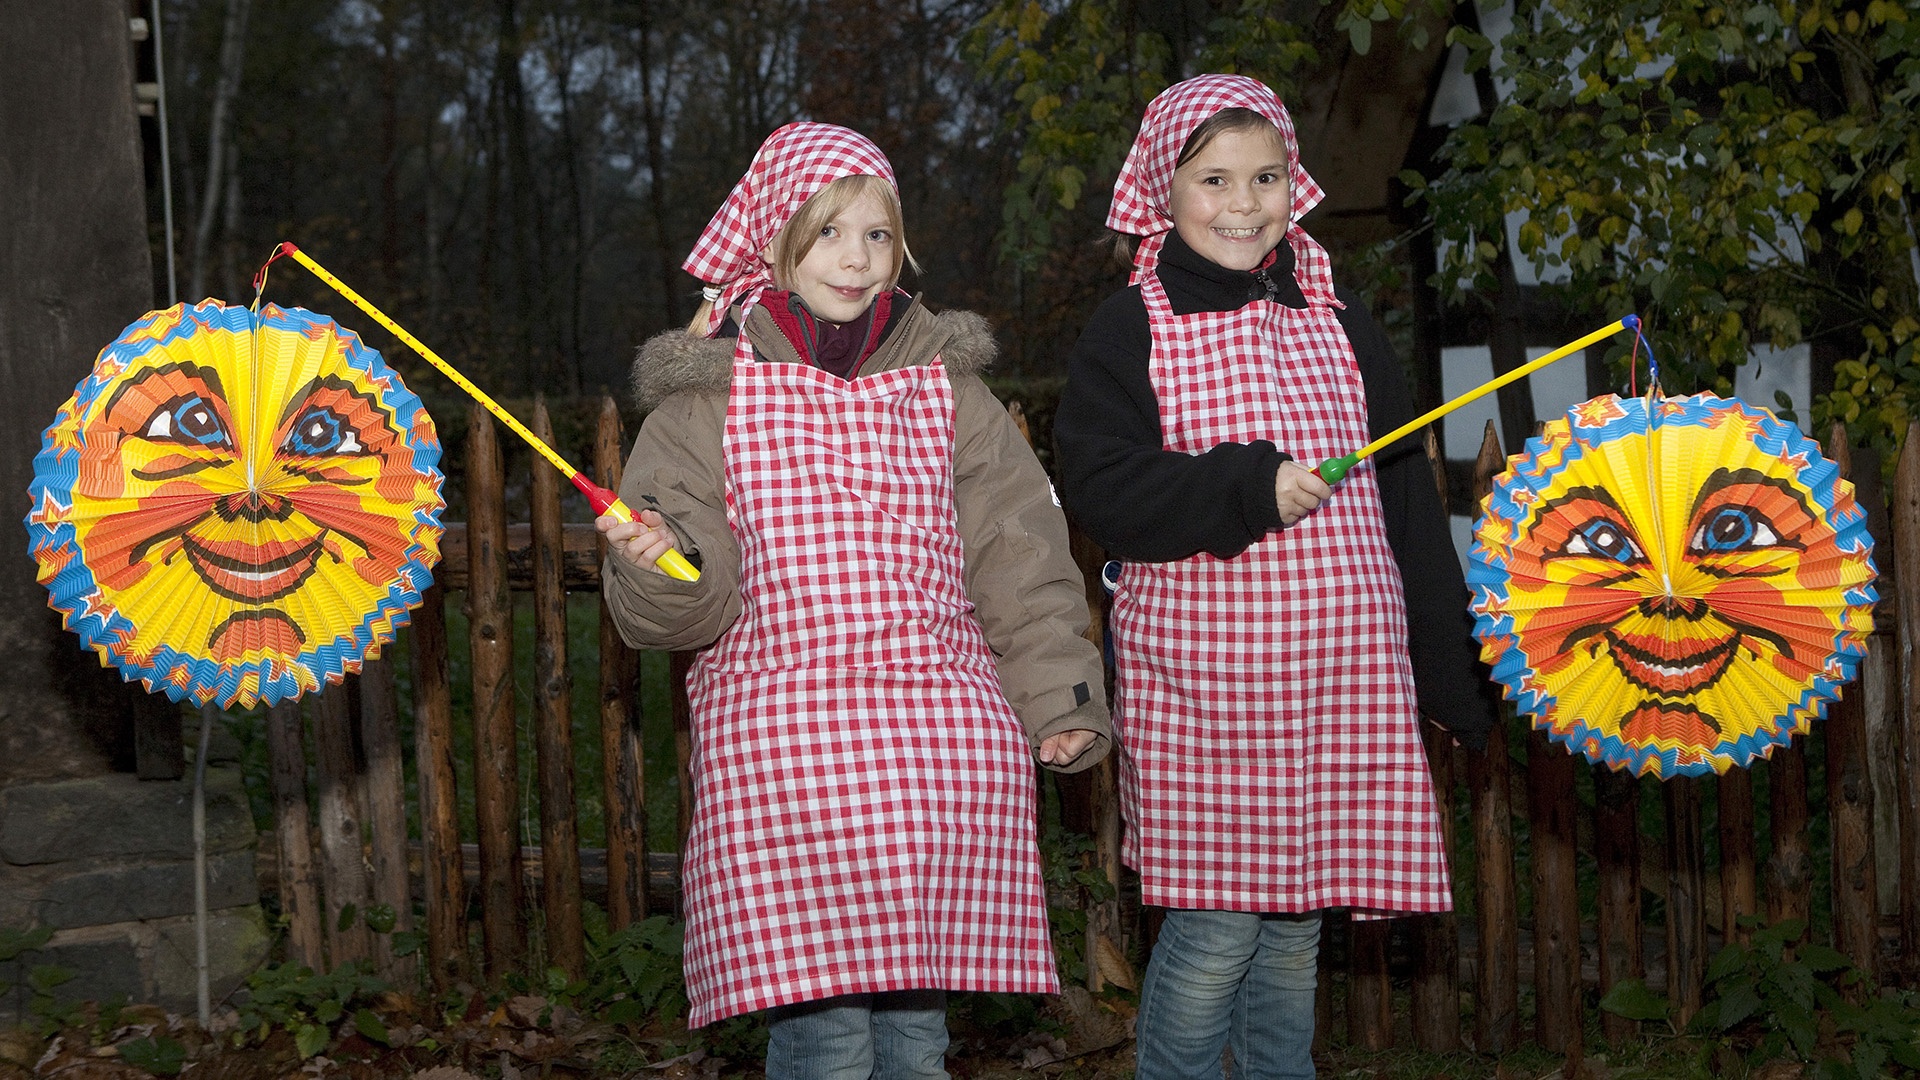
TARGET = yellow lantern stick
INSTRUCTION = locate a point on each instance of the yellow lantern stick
(1332, 469)
(604, 501)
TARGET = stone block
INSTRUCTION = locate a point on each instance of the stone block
(20, 888)
(105, 963)
(120, 815)
(122, 891)
(223, 747)
(237, 944)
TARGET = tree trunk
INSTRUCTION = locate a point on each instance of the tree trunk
(652, 121)
(233, 46)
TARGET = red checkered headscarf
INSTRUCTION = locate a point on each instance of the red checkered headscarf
(1142, 194)
(791, 166)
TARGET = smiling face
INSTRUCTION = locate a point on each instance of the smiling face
(856, 253)
(1690, 622)
(1231, 201)
(1605, 598)
(252, 530)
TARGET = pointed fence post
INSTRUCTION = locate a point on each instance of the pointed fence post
(342, 866)
(1497, 1015)
(553, 719)
(622, 757)
(1906, 569)
(442, 864)
(1789, 862)
(1556, 895)
(1686, 898)
(386, 805)
(1551, 810)
(496, 754)
(1738, 884)
(1108, 933)
(293, 823)
(1616, 853)
(1369, 992)
(1435, 998)
(1856, 887)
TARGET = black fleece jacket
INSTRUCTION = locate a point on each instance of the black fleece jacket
(1143, 503)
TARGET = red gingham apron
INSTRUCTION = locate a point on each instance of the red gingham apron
(864, 813)
(1265, 702)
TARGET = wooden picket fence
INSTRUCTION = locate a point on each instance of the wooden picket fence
(361, 857)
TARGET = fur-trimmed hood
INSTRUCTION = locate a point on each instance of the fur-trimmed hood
(671, 362)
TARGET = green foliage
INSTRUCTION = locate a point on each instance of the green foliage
(291, 998)
(634, 981)
(49, 1012)
(379, 918)
(1005, 1015)
(1082, 73)
(1632, 999)
(14, 941)
(633, 974)
(1775, 999)
(160, 1056)
(1357, 17)
(1791, 998)
(739, 1038)
(1738, 173)
(1074, 885)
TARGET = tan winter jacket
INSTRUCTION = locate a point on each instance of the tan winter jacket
(1026, 589)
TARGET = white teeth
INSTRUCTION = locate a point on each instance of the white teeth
(1238, 234)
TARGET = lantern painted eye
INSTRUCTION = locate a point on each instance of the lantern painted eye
(1734, 528)
(1605, 538)
(320, 431)
(190, 420)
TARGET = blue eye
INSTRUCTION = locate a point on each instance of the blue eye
(1734, 528)
(323, 431)
(1605, 538)
(191, 420)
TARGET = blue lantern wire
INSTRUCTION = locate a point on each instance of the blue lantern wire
(1653, 365)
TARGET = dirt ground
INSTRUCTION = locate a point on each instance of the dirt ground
(1075, 1036)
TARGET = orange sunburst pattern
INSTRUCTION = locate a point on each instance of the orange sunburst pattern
(1677, 597)
(254, 503)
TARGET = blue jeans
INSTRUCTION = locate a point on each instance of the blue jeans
(1236, 979)
(897, 1035)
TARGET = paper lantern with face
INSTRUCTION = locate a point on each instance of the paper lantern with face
(237, 508)
(1672, 589)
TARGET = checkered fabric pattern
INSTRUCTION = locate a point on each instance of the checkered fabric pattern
(1272, 756)
(1141, 194)
(864, 818)
(790, 167)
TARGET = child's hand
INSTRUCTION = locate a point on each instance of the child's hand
(1061, 749)
(640, 541)
(1297, 492)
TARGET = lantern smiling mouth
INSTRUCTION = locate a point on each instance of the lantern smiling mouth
(252, 573)
(1669, 674)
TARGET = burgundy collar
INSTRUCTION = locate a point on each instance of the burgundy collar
(839, 350)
